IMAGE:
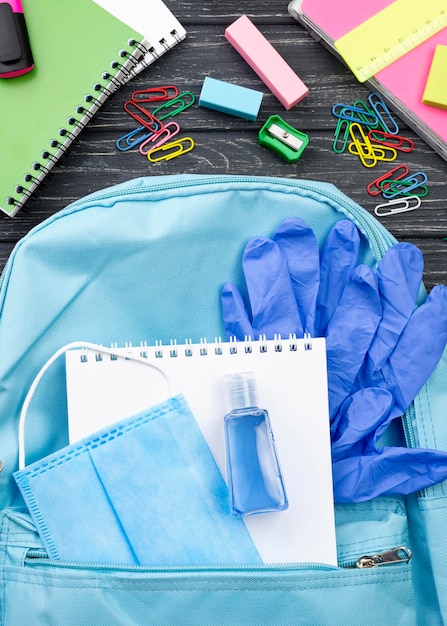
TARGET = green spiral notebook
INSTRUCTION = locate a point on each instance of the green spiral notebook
(73, 47)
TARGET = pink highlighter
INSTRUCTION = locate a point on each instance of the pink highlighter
(15, 52)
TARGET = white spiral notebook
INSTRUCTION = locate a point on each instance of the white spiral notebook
(292, 385)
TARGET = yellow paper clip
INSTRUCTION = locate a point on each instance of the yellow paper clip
(361, 145)
(368, 153)
(166, 156)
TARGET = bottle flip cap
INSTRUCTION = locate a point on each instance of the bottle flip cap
(242, 389)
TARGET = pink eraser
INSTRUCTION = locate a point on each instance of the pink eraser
(266, 62)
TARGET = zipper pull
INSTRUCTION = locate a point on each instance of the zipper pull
(398, 555)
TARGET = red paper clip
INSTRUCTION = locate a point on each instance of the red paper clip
(375, 184)
(142, 116)
(391, 141)
(155, 94)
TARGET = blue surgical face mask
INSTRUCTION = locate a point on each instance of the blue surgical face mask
(145, 490)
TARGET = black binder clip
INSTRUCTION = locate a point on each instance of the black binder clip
(15, 51)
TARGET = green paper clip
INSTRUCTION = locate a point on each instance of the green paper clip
(287, 141)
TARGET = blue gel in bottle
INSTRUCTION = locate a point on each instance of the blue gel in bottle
(255, 482)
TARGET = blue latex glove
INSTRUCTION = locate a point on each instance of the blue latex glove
(361, 470)
(272, 299)
(373, 338)
(279, 271)
(339, 257)
(409, 340)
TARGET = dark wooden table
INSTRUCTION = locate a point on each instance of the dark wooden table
(228, 145)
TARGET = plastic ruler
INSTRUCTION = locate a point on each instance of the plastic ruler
(390, 34)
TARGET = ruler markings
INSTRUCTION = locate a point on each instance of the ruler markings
(390, 34)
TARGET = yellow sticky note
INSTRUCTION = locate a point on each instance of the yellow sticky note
(435, 93)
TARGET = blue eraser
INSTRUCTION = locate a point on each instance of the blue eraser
(228, 98)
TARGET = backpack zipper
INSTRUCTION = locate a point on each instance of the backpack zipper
(397, 555)
(387, 557)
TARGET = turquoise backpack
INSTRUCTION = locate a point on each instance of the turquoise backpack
(146, 260)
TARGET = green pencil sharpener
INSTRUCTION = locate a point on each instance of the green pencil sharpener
(287, 141)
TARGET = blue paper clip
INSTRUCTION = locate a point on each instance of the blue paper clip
(354, 114)
(165, 155)
(179, 103)
(406, 185)
(367, 115)
(135, 137)
(383, 113)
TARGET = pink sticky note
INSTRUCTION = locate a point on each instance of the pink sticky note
(266, 62)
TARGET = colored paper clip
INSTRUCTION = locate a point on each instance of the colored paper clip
(167, 156)
(135, 137)
(354, 114)
(374, 188)
(287, 141)
(180, 103)
(398, 206)
(341, 136)
(362, 147)
(383, 113)
(160, 137)
(142, 116)
(405, 185)
(403, 144)
(154, 94)
(403, 188)
(360, 104)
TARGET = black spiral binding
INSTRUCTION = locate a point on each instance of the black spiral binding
(204, 348)
(77, 122)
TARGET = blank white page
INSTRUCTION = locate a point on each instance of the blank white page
(292, 387)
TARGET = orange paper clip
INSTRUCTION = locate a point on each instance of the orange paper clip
(403, 144)
(160, 137)
(182, 145)
(374, 188)
(154, 94)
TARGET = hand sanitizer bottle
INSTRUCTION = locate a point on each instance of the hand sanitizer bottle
(255, 482)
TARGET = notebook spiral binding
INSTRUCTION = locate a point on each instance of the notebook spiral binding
(123, 72)
(203, 348)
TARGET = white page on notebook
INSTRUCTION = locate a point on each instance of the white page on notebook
(152, 18)
(292, 386)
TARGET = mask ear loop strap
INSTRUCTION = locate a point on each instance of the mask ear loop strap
(70, 346)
